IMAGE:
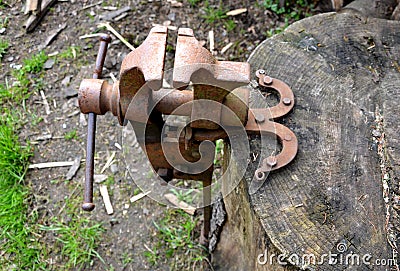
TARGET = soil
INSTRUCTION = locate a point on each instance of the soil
(130, 230)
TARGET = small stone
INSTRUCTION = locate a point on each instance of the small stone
(172, 16)
(10, 58)
(113, 222)
(49, 63)
(70, 92)
(114, 168)
(110, 62)
(146, 211)
(64, 126)
(82, 119)
(66, 80)
(376, 133)
(2, 30)
(15, 66)
(99, 178)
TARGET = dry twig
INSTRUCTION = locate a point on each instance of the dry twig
(106, 199)
(112, 30)
(51, 165)
(180, 204)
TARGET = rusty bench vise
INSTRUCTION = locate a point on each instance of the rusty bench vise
(204, 89)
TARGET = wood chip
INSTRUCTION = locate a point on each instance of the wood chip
(82, 119)
(108, 163)
(35, 19)
(99, 178)
(106, 199)
(109, 8)
(175, 3)
(139, 196)
(90, 6)
(118, 146)
(112, 30)
(226, 48)
(211, 39)
(76, 112)
(43, 137)
(113, 77)
(180, 204)
(108, 16)
(120, 17)
(53, 34)
(31, 6)
(74, 168)
(45, 103)
(51, 165)
(236, 11)
(89, 36)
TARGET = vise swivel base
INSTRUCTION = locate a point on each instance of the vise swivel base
(212, 93)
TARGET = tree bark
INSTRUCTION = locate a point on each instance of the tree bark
(342, 189)
(374, 8)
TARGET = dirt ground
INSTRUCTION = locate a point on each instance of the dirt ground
(130, 230)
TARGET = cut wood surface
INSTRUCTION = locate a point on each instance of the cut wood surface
(344, 71)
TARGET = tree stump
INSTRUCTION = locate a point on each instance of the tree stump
(341, 193)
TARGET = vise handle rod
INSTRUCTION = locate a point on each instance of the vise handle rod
(88, 204)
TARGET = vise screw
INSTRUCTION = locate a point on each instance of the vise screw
(204, 89)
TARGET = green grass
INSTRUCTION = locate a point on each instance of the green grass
(3, 22)
(29, 75)
(213, 14)
(230, 25)
(193, 3)
(71, 135)
(176, 241)
(3, 48)
(71, 52)
(16, 224)
(2, 4)
(21, 237)
(16, 240)
(78, 239)
(293, 10)
(186, 196)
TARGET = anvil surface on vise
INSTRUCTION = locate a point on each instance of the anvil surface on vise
(204, 89)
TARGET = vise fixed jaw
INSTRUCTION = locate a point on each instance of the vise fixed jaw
(204, 89)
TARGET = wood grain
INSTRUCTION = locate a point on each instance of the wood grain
(344, 70)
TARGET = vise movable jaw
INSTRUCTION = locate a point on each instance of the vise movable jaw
(204, 89)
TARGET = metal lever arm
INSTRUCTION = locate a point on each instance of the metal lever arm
(88, 204)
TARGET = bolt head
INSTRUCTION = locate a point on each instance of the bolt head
(259, 117)
(271, 161)
(268, 80)
(261, 71)
(287, 138)
(286, 101)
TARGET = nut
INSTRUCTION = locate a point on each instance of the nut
(287, 138)
(271, 161)
(267, 80)
(259, 117)
(286, 101)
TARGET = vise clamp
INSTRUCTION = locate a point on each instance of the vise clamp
(203, 89)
